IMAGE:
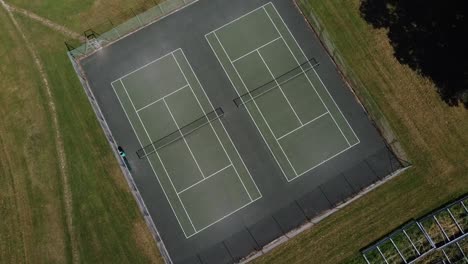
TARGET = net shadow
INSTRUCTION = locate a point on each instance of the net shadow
(277, 82)
(180, 133)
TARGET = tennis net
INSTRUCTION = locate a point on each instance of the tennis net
(276, 82)
(180, 133)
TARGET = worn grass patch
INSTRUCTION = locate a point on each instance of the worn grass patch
(432, 134)
(32, 224)
(107, 224)
(79, 15)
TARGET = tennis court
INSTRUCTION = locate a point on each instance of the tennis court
(182, 136)
(279, 87)
(234, 124)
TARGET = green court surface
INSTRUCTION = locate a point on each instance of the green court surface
(283, 94)
(199, 169)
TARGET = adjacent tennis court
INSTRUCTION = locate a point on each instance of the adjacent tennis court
(183, 138)
(283, 94)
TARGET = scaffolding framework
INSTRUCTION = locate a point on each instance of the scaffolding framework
(439, 236)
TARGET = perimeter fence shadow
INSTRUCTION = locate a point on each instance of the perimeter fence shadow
(300, 214)
(120, 25)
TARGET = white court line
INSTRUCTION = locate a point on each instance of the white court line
(302, 173)
(318, 76)
(152, 168)
(252, 201)
(313, 87)
(238, 94)
(258, 108)
(185, 140)
(279, 86)
(297, 61)
(226, 216)
(167, 95)
(151, 140)
(188, 216)
(262, 93)
(227, 24)
(213, 32)
(151, 164)
(177, 139)
(294, 130)
(211, 125)
(225, 130)
(250, 52)
(144, 66)
(204, 179)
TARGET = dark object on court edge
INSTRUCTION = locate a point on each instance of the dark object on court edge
(123, 155)
(121, 152)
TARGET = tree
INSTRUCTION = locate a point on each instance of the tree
(430, 36)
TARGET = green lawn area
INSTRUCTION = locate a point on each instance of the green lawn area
(107, 225)
(432, 134)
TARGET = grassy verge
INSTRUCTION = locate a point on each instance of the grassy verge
(432, 134)
(107, 224)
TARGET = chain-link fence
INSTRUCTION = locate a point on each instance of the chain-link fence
(122, 24)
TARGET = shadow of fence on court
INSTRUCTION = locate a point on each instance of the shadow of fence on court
(122, 24)
(257, 239)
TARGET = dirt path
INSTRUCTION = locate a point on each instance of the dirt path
(62, 159)
(46, 22)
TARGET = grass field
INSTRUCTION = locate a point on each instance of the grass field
(106, 224)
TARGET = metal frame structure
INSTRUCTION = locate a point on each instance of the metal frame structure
(433, 232)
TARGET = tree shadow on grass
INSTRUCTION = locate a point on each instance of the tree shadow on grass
(431, 36)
